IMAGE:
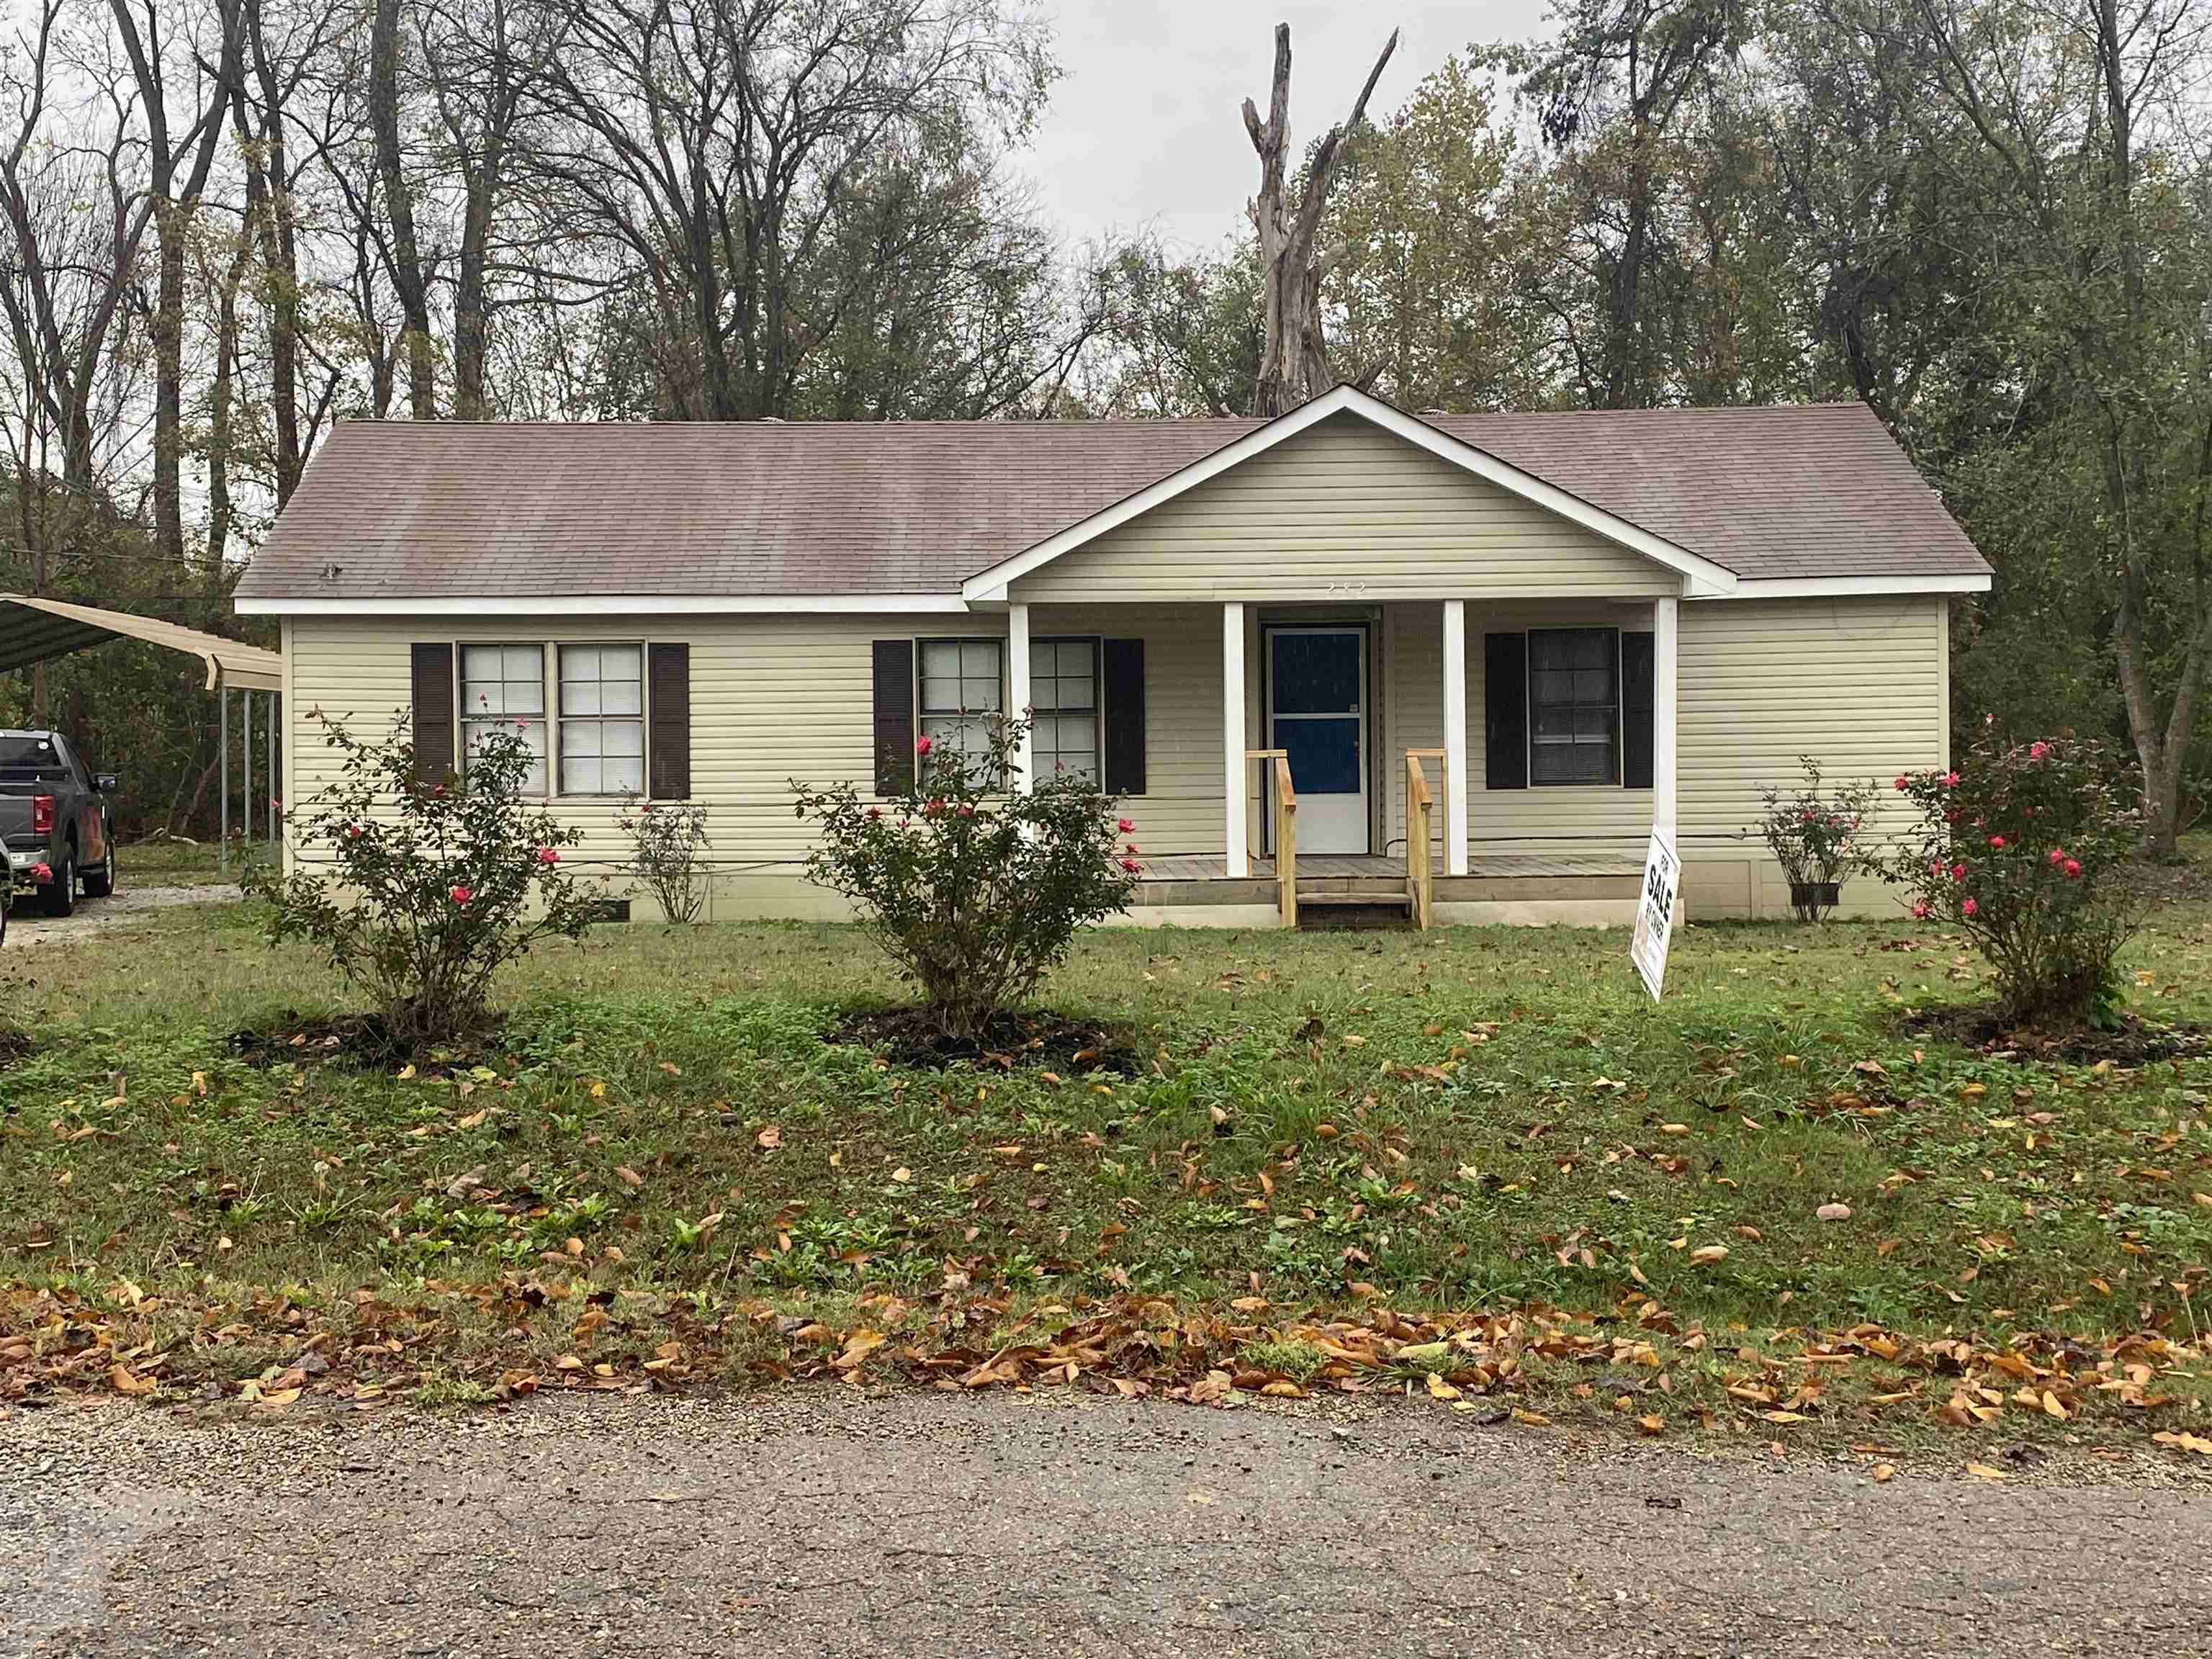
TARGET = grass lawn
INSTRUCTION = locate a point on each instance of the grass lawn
(1477, 1162)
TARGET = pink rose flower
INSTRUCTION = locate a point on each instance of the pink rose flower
(2058, 856)
(1996, 841)
(874, 813)
(353, 830)
(1950, 780)
(931, 809)
(461, 895)
(1967, 907)
(2038, 751)
(1900, 783)
(1131, 849)
(1125, 826)
(1958, 872)
(966, 810)
(1920, 910)
(548, 855)
(1132, 865)
(2073, 868)
(923, 746)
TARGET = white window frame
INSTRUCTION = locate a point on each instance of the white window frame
(465, 720)
(922, 712)
(1097, 644)
(1528, 709)
(644, 718)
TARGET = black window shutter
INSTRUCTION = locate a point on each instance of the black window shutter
(1639, 664)
(431, 674)
(1122, 698)
(1505, 711)
(894, 718)
(669, 776)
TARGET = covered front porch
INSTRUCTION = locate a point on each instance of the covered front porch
(1305, 759)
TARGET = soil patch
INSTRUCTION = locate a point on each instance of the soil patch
(14, 1043)
(357, 1042)
(2132, 1042)
(1038, 1038)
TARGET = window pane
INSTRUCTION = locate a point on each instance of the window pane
(622, 773)
(525, 696)
(579, 738)
(622, 697)
(580, 776)
(979, 657)
(579, 662)
(1044, 691)
(522, 662)
(580, 697)
(979, 696)
(941, 658)
(1074, 657)
(618, 662)
(480, 662)
(940, 695)
(622, 738)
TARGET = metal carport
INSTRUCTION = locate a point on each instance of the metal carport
(33, 630)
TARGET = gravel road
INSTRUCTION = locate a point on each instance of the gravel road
(828, 1523)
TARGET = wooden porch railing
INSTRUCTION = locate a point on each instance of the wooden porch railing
(1420, 856)
(1286, 832)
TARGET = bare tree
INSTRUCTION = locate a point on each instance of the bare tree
(178, 155)
(409, 275)
(1294, 356)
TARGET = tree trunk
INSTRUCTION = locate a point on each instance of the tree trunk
(1293, 357)
(399, 208)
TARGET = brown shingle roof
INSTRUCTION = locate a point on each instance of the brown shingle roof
(450, 510)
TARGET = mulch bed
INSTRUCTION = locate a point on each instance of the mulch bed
(358, 1042)
(2132, 1042)
(1041, 1039)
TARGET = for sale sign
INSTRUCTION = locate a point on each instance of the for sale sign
(1654, 913)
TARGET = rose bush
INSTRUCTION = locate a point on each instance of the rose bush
(418, 891)
(2026, 848)
(975, 893)
(666, 840)
(1815, 837)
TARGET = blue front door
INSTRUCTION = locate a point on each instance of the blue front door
(1317, 713)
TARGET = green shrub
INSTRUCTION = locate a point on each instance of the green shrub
(419, 892)
(975, 892)
(2027, 849)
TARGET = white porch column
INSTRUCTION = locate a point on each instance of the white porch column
(1018, 692)
(1665, 615)
(1457, 774)
(1232, 736)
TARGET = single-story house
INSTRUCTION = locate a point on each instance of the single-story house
(1580, 626)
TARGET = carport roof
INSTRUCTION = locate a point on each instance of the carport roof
(34, 629)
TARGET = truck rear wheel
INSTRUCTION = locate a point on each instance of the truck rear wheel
(100, 882)
(60, 897)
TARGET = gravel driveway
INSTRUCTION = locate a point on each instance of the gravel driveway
(26, 927)
(820, 1522)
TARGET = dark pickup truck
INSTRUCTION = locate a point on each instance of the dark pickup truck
(57, 817)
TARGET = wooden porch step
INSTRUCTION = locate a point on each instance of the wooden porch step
(1380, 909)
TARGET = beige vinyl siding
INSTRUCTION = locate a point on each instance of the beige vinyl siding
(772, 698)
(1344, 511)
(1860, 684)
(778, 697)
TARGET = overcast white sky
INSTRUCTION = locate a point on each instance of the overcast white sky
(1143, 127)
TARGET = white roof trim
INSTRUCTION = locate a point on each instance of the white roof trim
(1702, 573)
(612, 605)
(1811, 587)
